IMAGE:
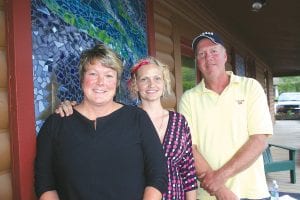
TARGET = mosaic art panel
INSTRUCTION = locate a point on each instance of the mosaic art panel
(62, 29)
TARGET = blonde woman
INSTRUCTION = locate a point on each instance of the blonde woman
(150, 81)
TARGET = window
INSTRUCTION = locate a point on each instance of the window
(188, 72)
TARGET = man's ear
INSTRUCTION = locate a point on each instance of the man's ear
(225, 55)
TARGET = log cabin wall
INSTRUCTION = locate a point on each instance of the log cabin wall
(174, 20)
(164, 52)
(5, 156)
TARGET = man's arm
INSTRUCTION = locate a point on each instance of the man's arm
(202, 167)
(243, 158)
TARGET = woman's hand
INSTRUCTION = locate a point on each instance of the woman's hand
(152, 193)
(191, 195)
(49, 195)
(65, 108)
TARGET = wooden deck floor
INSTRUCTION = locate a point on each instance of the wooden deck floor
(286, 132)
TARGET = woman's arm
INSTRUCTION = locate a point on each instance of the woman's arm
(43, 167)
(187, 170)
(190, 195)
(201, 164)
(152, 193)
(50, 195)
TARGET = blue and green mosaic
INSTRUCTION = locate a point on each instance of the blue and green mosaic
(62, 29)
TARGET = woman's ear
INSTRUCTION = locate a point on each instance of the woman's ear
(136, 89)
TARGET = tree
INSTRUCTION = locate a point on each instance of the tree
(289, 84)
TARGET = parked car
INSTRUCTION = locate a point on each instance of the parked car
(288, 102)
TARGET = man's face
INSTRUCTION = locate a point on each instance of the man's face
(211, 58)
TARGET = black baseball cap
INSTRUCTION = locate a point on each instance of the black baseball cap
(209, 35)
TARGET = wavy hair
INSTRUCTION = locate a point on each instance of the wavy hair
(132, 83)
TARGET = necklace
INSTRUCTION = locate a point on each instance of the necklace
(158, 122)
(159, 129)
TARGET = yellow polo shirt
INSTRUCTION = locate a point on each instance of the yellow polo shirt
(221, 124)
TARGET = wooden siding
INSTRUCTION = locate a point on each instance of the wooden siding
(5, 155)
(164, 51)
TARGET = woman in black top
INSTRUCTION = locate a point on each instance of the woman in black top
(105, 150)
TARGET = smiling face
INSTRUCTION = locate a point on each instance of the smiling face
(211, 59)
(99, 83)
(150, 82)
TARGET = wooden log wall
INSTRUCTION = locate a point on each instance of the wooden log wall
(5, 155)
(164, 52)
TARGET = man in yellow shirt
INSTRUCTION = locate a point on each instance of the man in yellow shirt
(230, 123)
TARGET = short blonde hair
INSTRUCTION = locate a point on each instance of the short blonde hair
(132, 85)
(102, 54)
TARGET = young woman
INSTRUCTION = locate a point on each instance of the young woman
(150, 81)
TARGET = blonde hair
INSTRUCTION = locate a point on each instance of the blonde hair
(132, 85)
(102, 54)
